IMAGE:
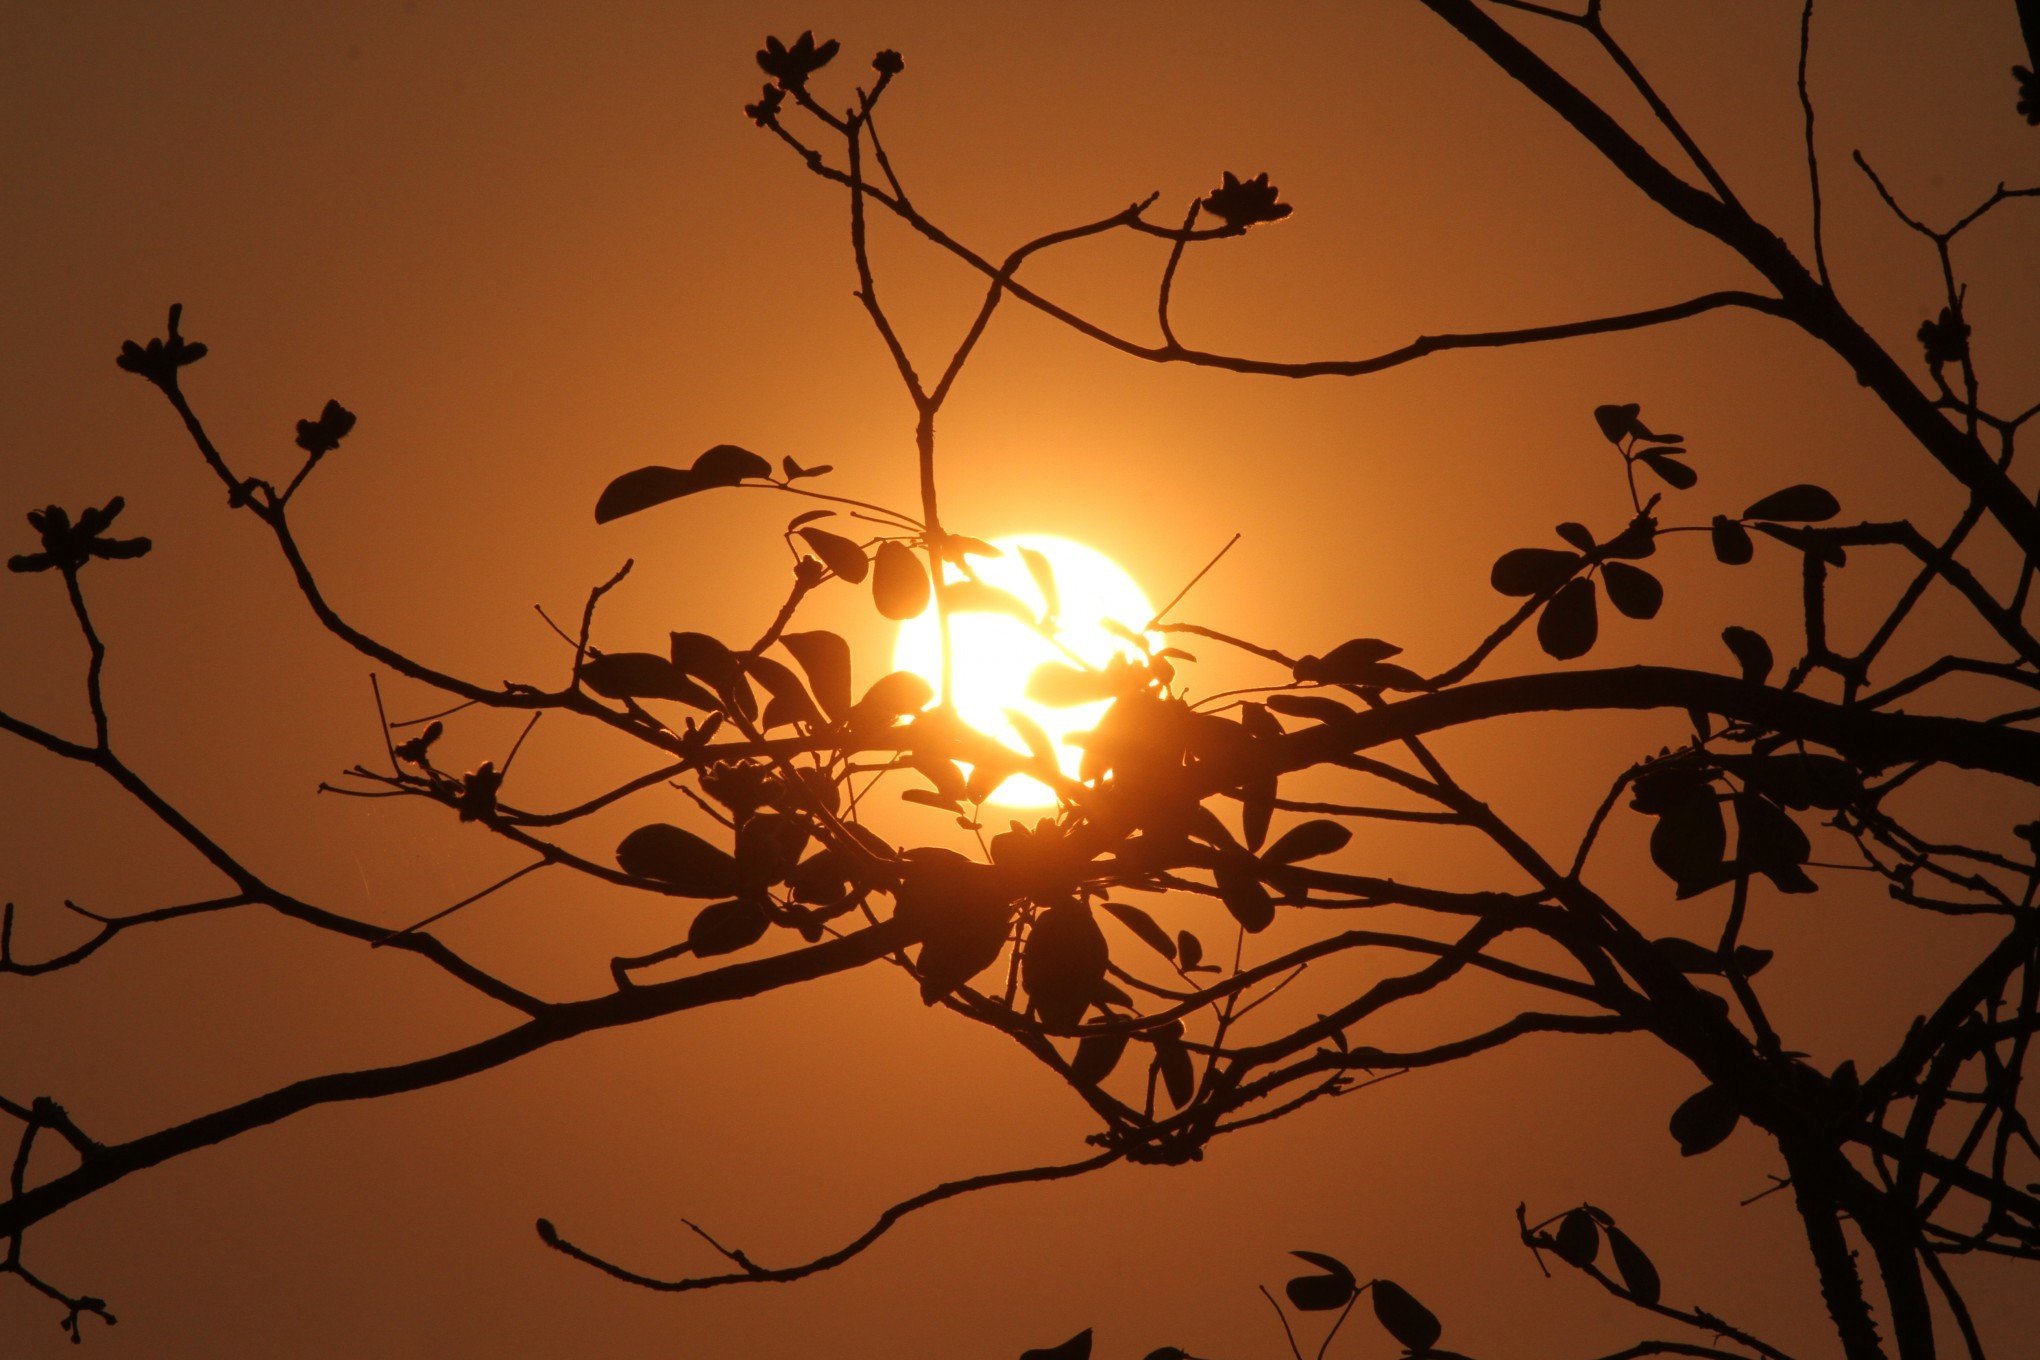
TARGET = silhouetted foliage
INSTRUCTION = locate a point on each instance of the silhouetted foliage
(1924, 1152)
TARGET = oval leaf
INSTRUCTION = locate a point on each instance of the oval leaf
(726, 927)
(1633, 590)
(1408, 1321)
(1531, 571)
(680, 859)
(1751, 651)
(838, 554)
(1569, 624)
(1803, 503)
(1704, 1120)
(826, 659)
(1319, 836)
(899, 585)
(1639, 1276)
(1733, 545)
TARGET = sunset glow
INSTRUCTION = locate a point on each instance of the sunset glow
(996, 653)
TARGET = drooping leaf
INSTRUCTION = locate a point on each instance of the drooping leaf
(1531, 571)
(1408, 1321)
(826, 658)
(1044, 581)
(1257, 796)
(1569, 624)
(1096, 1056)
(1690, 841)
(1771, 843)
(1333, 1287)
(1752, 653)
(790, 701)
(680, 859)
(1307, 840)
(1639, 1276)
(1245, 897)
(1802, 503)
(838, 554)
(769, 845)
(1179, 1079)
(1704, 1120)
(899, 584)
(1632, 590)
(725, 927)
(1145, 926)
(1189, 951)
(1578, 1239)
(1733, 545)
(1063, 963)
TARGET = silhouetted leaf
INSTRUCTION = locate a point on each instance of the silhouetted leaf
(1044, 581)
(899, 585)
(723, 465)
(1618, 422)
(680, 859)
(1307, 840)
(1063, 963)
(790, 701)
(1688, 956)
(807, 517)
(1639, 1276)
(1243, 203)
(1632, 590)
(1576, 534)
(1189, 950)
(1569, 623)
(792, 63)
(1061, 686)
(838, 554)
(1244, 897)
(641, 675)
(1770, 842)
(1671, 469)
(1145, 926)
(1096, 1056)
(1172, 1061)
(1346, 663)
(897, 695)
(1803, 504)
(826, 659)
(975, 597)
(769, 845)
(725, 927)
(1690, 841)
(1578, 1239)
(1257, 796)
(1732, 543)
(1751, 652)
(1704, 1120)
(1408, 1321)
(1077, 1347)
(1531, 571)
(821, 879)
(1321, 1293)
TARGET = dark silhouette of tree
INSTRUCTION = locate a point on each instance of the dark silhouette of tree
(1900, 1163)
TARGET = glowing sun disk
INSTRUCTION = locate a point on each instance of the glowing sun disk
(994, 654)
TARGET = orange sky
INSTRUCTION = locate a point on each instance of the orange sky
(534, 246)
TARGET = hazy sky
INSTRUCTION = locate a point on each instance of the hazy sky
(536, 245)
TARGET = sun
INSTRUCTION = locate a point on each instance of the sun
(995, 653)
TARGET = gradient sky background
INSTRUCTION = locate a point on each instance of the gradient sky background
(534, 246)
